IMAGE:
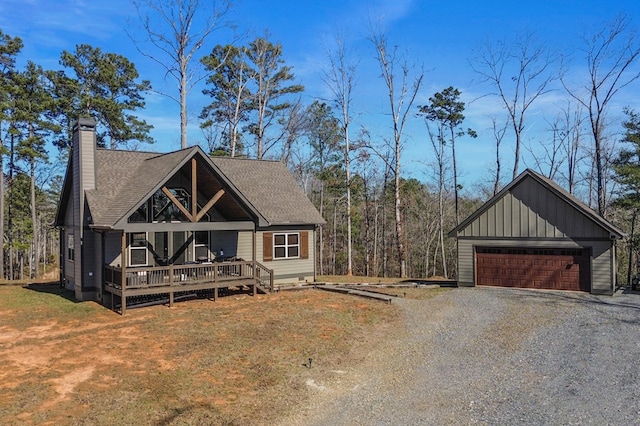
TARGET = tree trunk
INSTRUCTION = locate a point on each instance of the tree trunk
(2, 196)
(335, 232)
(34, 218)
(455, 173)
(320, 237)
(402, 253)
(183, 108)
(347, 165)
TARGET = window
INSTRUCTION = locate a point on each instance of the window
(164, 210)
(137, 249)
(71, 251)
(141, 215)
(286, 246)
(201, 245)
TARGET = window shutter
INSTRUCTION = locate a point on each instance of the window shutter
(267, 246)
(304, 245)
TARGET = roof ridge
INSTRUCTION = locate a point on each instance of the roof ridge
(225, 157)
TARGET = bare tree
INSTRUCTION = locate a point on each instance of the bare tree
(498, 136)
(402, 93)
(610, 55)
(173, 27)
(548, 156)
(340, 78)
(572, 123)
(294, 124)
(520, 74)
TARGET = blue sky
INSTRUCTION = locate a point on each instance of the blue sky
(440, 36)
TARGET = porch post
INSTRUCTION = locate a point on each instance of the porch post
(123, 259)
(254, 254)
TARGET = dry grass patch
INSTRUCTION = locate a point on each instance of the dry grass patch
(414, 293)
(240, 360)
(354, 279)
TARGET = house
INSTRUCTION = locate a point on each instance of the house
(534, 234)
(143, 223)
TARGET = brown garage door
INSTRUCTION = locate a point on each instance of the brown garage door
(557, 269)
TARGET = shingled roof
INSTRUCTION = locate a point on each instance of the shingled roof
(124, 179)
(271, 189)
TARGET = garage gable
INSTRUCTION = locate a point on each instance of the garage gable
(533, 206)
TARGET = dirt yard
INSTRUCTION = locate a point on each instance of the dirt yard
(238, 360)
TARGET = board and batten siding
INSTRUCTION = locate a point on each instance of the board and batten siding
(603, 263)
(532, 211)
(287, 271)
(530, 215)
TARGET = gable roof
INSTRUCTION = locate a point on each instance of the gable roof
(552, 187)
(125, 179)
(271, 189)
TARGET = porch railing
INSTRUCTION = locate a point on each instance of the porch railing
(161, 276)
(264, 276)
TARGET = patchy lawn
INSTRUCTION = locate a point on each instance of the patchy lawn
(239, 360)
(356, 279)
(410, 293)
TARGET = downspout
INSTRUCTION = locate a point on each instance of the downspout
(315, 252)
(614, 269)
(62, 258)
(102, 265)
(633, 227)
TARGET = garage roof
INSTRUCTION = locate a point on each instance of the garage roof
(571, 200)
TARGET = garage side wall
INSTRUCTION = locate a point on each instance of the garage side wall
(603, 263)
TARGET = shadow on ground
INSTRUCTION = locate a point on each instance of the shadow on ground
(52, 288)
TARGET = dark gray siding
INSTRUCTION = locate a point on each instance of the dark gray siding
(83, 177)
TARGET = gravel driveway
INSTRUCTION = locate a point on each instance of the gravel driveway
(495, 356)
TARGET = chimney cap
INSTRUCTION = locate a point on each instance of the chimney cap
(86, 123)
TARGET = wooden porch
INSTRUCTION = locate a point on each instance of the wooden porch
(172, 279)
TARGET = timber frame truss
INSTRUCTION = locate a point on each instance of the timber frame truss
(194, 215)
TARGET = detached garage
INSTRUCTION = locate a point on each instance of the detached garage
(534, 234)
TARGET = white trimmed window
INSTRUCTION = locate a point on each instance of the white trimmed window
(286, 246)
(138, 249)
